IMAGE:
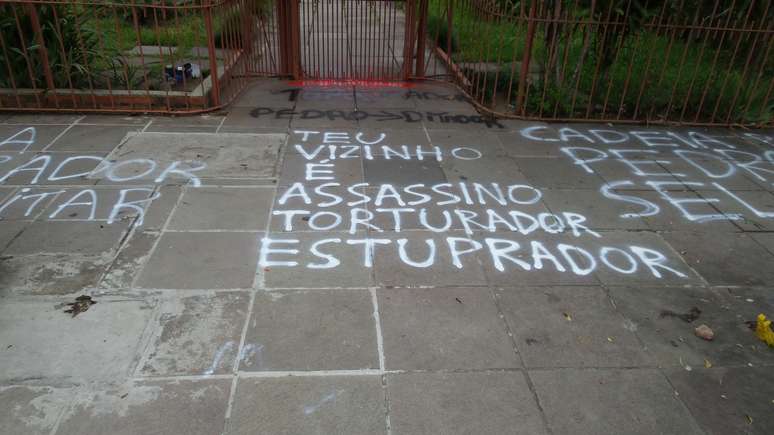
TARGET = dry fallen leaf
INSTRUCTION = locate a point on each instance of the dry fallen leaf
(707, 364)
(568, 317)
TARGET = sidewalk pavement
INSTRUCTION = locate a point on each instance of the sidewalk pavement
(358, 260)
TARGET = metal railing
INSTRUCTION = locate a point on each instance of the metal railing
(163, 56)
(657, 61)
(654, 61)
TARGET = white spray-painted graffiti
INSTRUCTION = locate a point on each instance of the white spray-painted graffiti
(19, 167)
(495, 221)
(670, 161)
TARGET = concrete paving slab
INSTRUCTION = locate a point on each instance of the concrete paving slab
(724, 258)
(346, 267)
(662, 318)
(96, 204)
(50, 169)
(516, 260)
(129, 262)
(754, 209)
(29, 203)
(292, 212)
(516, 145)
(483, 141)
(99, 345)
(9, 231)
(443, 329)
(31, 410)
(181, 406)
(401, 173)
(196, 260)
(297, 168)
(502, 170)
(727, 400)
(247, 119)
(332, 97)
(430, 261)
(92, 138)
(602, 213)
(697, 212)
(656, 260)
(321, 117)
(393, 97)
(274, 93)
(231, 208)
(50, 273)
(764, 239)
(311, 330)
(462, 403)
(41, 118)
(553, 173)
(28, 138)
(54, 237)
(98, 119)
(570, 327)
(196, 335)
(227, 155)
(597, 401)
(347, 405)
(185, 124)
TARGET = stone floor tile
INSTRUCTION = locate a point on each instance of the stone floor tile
(29, 138)
(31, 410)
(320, 117)
(537, 260)
(190, 260)
(346, 405)
(443, 328)
(600, 213)
(232, 208)
(484, 142)
(485, 170)
(764, 239)
(431, 257)
(110, 120)
(724, 258)
(296, 168)
(552, 173)
(311, 330)
(755, 209)
(129, 262)
(400, 173)
(92, 138)
(98, 345)
(463, 403)
(646, 249)
(50, 169)
(197, 335)
(45, 274)
(9, 231)
(515, 144)
(569, 327)
(728, 400)
(227, 155)
(596, 401)
(654, 314)
(190, 407)
(698, 212)
(336, 263)
(245, 118)
(86, 238)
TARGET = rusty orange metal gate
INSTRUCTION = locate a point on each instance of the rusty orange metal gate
(360, 40)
